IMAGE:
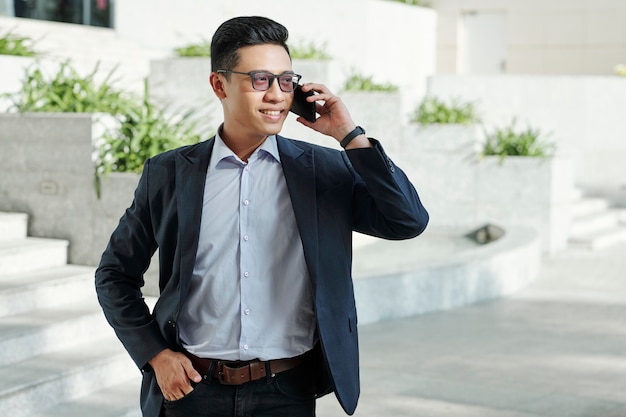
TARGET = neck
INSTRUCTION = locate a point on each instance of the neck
(242, 146)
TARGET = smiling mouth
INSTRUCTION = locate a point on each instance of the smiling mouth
(272, 112)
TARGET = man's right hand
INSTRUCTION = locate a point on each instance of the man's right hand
(174, 371)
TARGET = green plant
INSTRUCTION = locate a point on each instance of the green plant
(309, 51)
(68, 91)
(507, 141)
(143, 133)
(11, 44)
(358, 82)
(144, 129)
(200, 49)
(434, 111)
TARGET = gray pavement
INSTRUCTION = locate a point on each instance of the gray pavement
(556, 349)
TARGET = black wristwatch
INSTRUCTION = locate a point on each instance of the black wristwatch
(356, 132)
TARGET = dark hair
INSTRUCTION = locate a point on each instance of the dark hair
(244, 31)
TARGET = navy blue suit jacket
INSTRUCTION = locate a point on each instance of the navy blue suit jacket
(332, 192)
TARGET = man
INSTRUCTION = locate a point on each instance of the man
(256, 315)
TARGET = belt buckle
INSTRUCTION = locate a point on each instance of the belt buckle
(227, 375)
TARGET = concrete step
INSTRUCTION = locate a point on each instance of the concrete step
(31, 254)
(597, 221)
(599, 239)
(42, 331)
(588, 205)
(58, 355)
(13, 226)
(45, 381)
(121, 400)
(46, 288)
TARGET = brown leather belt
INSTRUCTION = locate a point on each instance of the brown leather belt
(240, 372)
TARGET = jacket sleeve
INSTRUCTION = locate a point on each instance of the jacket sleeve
(119, 278)
(386, 204)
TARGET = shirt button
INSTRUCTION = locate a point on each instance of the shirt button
(246, 202)
(246, 238)
(246, 311)
(246, 274)
(245, 347)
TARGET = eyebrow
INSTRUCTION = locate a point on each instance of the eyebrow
(270, 72)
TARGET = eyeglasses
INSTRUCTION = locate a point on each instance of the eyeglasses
(263, 80)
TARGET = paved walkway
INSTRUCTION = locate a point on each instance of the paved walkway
(556, 349)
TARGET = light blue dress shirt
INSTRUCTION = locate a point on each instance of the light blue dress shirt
(250, 295)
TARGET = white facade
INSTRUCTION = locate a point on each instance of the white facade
(539, 36)
(391, 41)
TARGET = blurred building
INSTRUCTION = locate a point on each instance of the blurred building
(86, 12)
(530, 36)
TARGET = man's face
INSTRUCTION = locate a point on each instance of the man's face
(253, 113)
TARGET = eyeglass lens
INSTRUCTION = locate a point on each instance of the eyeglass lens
(263, 81)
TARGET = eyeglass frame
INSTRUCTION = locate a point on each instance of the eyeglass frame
(251, 74)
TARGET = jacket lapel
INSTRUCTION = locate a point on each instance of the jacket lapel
(191, 169)
(299, 172)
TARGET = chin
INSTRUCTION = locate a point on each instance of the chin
(274, 130)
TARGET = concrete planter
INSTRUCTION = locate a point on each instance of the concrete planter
(441, 161)
(180, 77)
(444, 138)
(528, 191)
(317, 71)
(460, 188)
(584, 113)
(47, 171)
(380, 113)
(182, 84)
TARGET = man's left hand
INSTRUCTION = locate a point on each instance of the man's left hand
(335, 119)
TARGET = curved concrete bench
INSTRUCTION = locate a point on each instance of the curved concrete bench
(440, 270)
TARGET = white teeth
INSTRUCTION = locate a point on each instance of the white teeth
(271, 112)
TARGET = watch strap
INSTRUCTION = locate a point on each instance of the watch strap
(355, 132)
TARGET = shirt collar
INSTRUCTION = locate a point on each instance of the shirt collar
(221, 151)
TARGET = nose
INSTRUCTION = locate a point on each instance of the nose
(274, 94)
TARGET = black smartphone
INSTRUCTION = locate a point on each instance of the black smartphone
(300, 106)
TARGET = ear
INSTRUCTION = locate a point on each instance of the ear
(217, 83)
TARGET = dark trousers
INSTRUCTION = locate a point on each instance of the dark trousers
(287, 394)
